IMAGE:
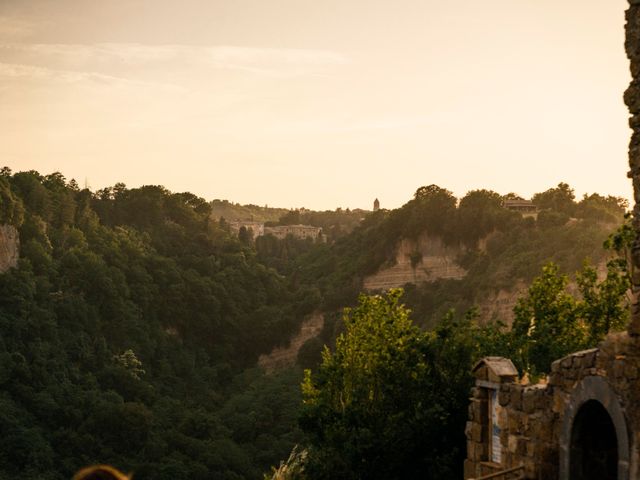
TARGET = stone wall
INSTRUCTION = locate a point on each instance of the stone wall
(536, 421)
(632, 99)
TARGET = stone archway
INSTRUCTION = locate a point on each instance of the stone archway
(594, 441)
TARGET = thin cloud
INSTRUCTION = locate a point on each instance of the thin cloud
(12, 70)
(261, 61)
(13, 28)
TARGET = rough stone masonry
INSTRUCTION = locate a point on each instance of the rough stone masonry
(632, 99)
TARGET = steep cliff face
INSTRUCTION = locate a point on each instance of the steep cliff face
(281, 357)
(9, 247)
(416, 261)
(499, 304)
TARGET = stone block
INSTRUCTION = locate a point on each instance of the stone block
(504, 437)
(566, 362)
(521, 446)
(504, 397)
(559, 403)
(470, 469)
(516, 397)
(555, 379)
(530, 468)
(619, 369)
(531, 449)
(475, 414)
(475, 451)
(570, 373)
(529, 401)
(589, 360)
(514, 422)
(473, 431)
(512, 444)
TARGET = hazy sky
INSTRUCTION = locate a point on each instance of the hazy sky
(317, 103)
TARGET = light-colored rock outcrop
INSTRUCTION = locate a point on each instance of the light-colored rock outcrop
(435, 261)
(9, 247)
(281, 357)
(499, 304)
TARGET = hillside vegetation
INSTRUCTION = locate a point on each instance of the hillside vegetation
(500, 247)
(128, 334)
(132, 324)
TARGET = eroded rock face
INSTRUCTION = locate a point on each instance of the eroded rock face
(281, 357)
(632, 99)
(9, 247)
(417, 261)
(499, 304)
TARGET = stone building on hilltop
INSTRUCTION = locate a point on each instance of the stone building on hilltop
(258, 229)
(524, 207)
(583, 422)
(297, 231)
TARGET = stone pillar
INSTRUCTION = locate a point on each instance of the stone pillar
(632, 99)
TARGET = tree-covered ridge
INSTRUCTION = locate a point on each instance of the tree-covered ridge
(125, 331)
(234, 211)
(131, 326)
(501, 247)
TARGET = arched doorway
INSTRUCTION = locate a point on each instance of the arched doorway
(594, 440)
(594, 447)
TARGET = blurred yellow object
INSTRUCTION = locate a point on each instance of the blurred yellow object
(100, 472)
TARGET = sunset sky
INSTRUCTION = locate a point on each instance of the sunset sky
(317, 103)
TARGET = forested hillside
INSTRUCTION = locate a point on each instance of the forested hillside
(498, 246)
(128, 330)
(131, 325)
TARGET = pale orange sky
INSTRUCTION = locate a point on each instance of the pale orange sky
(321, 104)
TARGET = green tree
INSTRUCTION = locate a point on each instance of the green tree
(546, 322)
(605, 305)
(480, 212)
(379, 405)
(560, 199)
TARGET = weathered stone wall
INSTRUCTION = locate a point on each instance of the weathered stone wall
(632, 99)
(535, 421)
(9, 247)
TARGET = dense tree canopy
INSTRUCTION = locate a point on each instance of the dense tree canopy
(389, 401)
(132, 325)
(125, 331)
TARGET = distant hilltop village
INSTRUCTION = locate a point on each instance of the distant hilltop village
(258, 229)
(524, 207)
